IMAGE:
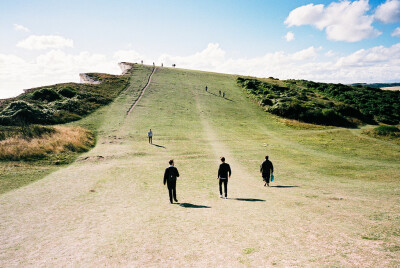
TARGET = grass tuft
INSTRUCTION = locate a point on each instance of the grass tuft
(43, 142)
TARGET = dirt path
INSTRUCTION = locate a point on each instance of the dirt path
(114, 211)
(142, 93)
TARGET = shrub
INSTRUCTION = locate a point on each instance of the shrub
(67, 92)
(21, 112)
(45, 94)
(387, 131)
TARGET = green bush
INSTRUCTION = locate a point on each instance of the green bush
(387, 131)
(45, 94)
(67, 92)
(21, 112)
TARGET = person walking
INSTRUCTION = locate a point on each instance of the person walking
(266, 170)
(170, 176)
(224, 172)
(223, 94)
(206, 88)
(220, 93)
(150, 135)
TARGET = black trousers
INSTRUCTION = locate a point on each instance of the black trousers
(225, 182)
(172, 190)
(266, 177)
(150, 139)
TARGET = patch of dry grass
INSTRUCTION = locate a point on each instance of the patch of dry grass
(300, 125)
(64, 139)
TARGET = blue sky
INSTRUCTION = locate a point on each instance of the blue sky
(48, 41)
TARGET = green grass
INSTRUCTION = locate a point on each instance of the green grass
(15, 174)
(343, 187)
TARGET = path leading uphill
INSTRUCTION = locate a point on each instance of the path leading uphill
(114, 211)
(142, 92)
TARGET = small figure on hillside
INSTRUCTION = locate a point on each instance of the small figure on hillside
(141, 62)
(266, 170)
(150, 135)
(223, 94)
(220, 93)
(173, 65)
(206, 88)
(154, 64)
(170, 176)
(224, 173)
(162, 64)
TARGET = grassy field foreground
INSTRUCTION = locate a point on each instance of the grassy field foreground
(335, 202)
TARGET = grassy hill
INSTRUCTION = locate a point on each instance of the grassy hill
(335, 201)
(325, 104)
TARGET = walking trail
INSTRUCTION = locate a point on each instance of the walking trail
(114, 210)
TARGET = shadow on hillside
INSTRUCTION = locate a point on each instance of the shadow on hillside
(160, 146)
(285, 186)
(220, 96)
(249, 199)
(189, 205)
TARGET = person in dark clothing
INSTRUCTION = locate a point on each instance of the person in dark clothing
(170, 175)
(266, 170)
(224, 172)
(220, 93)
(206, 88)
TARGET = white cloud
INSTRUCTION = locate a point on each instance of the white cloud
(342, 21)
(128, 55)
(289, 36)
(53, 67)
(41, 42)
(388, 12)
(19, 27)
(330, 53)
(396, 32)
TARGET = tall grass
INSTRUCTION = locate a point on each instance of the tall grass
(61, 140)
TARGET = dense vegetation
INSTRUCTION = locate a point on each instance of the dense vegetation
(322, 103)
(61, 103)
(379, 85)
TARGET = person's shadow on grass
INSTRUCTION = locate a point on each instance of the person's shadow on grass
(189, 205)
(159, 146)
(285, 186)
(249, 199)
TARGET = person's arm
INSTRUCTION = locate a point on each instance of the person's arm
(261, 168)
(177, 172)
(272, 168)
(219, 171)
(229, 171)
(165, 176)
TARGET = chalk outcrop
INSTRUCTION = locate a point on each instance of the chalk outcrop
(86, 79)
(125, 67)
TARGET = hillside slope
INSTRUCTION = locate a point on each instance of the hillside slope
(335, 201)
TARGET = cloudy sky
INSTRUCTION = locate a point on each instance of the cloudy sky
(44, 42)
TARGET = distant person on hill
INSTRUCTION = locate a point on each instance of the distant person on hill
(170, 175)
(224, 172)
(223, 95)
(150, 135)
(220, 93)
(266, 170)
(206, 88)
(154, 64)
(142, 61)
(162, 64)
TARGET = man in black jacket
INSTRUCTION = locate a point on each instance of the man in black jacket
(266, 170)
(224, 172)
(170, 175)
